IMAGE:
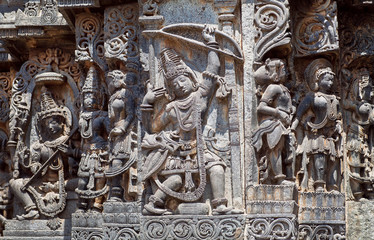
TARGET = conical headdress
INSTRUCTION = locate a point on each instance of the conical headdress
(49, 107)
(91, 84)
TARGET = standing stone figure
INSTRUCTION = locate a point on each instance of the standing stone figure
(176, 156)
(359, 102)
(122, 153)
(94, 128)
(273, 140)
(320, 116)
(46, 194)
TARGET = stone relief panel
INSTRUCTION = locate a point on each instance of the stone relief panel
(40, 123)
(176, 161)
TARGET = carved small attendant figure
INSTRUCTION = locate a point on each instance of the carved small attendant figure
(47, 194)
(175, 152)
(121, 114)
(321, 118)
(359, 102)
(275, 113)
(94, 128)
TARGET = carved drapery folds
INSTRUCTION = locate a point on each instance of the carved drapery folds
(272, 26)
(315, 28)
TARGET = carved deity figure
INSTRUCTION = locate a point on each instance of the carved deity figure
(176, 161)
(94, 128)
(320, 116)
(5, 176)
(122, 153)
(273, 140)
(45, 191)
(359, 102)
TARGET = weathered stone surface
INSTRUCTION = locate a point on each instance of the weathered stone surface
(186, 119)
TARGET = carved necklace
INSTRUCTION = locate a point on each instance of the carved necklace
(181, 105)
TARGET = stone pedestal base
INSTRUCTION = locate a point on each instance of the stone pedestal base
(193, 227)
(53, 229)
(322, 216)
(360, 220)
(86, 226)
(121, 220)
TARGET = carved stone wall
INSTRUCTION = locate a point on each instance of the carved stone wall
(186, 119)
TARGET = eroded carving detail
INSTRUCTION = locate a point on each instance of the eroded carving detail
(273, 138)
(272, 23)
(316, 27)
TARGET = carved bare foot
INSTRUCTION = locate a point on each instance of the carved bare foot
(150, 209)
(222, 210)
(32, 214)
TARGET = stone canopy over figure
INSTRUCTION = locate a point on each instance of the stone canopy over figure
(273, 140)
(320, 116)
(175, 148)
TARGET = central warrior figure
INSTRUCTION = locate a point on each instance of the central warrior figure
(176, 152)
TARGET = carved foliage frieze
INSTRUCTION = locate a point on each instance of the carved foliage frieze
(315, 28)
(5, 95)
(90, 39)
(121, 32)
(272, 26)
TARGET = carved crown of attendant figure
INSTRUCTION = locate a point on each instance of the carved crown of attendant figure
(176, 161)
(320, 116)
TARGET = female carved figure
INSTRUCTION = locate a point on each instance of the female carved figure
(48, 192)
(94, 128)
(175, 150)
(320, 116)
(275, 113)
(121, 114)
(359, 102)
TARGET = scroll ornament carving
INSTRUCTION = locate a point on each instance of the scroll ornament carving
(272, 23)
(90, 39)
(316, 26)
(272, 228)
(94, 129)
(321, 144)
(196, 228)
(121, 32)
(177, 155)
(150, 7)
(31, 9)
(321, 232)
(273, 137)
(5, 94)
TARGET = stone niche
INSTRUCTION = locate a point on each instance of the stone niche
(186, 119)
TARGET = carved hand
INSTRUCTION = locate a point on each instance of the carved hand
(153, 94)
(65, 149)
(35, 167)
(209, 34)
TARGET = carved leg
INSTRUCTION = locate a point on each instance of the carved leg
(320, 169)
(174, 182)
(275, 160)
(82, 204)
(217, 182)
(29, 205)
(98, 205)
(333, 174)
(116, 190)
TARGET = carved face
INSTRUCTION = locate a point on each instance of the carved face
(182, 86)
(326, 81)
(54, 125)
(90, 101)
